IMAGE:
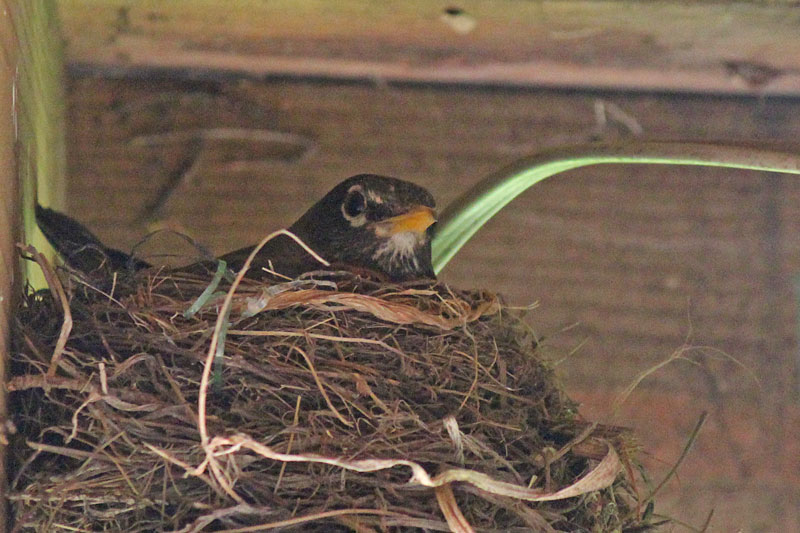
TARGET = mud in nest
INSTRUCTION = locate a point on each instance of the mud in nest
(329, 403)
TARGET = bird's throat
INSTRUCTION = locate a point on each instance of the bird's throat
(401, 251)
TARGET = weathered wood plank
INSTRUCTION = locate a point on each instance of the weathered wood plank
(729, 47)
(9, 216)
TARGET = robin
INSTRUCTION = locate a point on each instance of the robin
(368, 222)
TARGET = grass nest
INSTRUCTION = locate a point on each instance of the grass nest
(328, 403)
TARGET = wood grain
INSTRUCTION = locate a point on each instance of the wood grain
(730, 47)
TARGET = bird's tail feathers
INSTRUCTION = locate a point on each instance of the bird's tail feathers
(79, 247)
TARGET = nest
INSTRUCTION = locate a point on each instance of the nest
(327, 403)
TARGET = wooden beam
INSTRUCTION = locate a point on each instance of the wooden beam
(9, 214)
(31, 146)
(39, 119)
(720, 47)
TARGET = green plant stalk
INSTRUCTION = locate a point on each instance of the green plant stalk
(467, 214)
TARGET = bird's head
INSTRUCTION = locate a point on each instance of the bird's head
(376, 223)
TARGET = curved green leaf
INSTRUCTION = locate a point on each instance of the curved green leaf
(466, 215)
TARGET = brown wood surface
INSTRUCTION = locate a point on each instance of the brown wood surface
(732, 47)
(31, 149)
(645, 260)
(9, 216)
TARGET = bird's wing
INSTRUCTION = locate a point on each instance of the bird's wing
(281, 254)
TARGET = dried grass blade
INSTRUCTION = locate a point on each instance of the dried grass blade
(58, 292)
(395, 312)
(447, 503)
(600, 477)
(222, 267)
(310, 518)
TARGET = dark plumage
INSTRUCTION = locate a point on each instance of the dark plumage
(367, 222)
(79, 247)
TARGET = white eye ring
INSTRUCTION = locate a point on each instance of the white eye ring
(354, 206)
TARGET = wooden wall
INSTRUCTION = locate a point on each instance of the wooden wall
(627, 264)
(720, 46)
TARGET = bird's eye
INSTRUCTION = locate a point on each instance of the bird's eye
(354, 204)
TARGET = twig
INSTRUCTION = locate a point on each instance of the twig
(58, 293)
(321, 387)
(312, 518)
(222, 319)
(291, 441)
(692, 438)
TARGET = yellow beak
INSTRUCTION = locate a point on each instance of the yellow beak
(418, 219)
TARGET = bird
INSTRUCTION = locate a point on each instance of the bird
(367, 223)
